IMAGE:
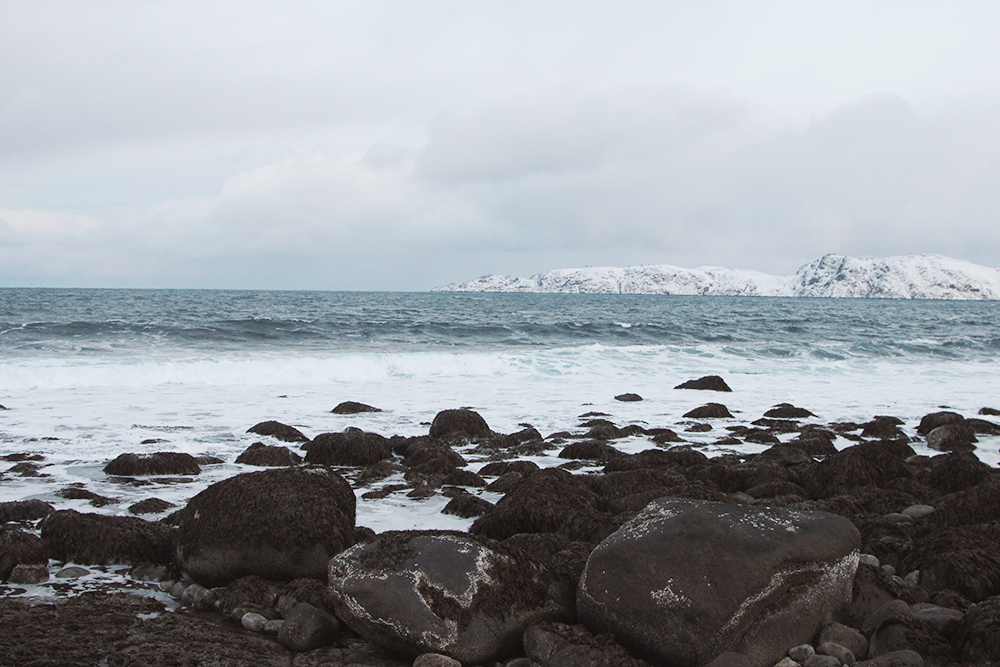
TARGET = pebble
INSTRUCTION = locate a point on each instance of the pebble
(178, 590)
(150, 572)
(918, 512)
(849, 638)
(822, 661)
(868, 559)
(889, 569)
(435, 660)
(253, 622)
(72, 572)
(273, 627)
(787, 662)
(899, 517)
(801, 653)
(29, 574)
(843, 654)
(168, 585)
(913, 578)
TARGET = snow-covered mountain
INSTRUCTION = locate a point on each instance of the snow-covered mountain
(902, 277)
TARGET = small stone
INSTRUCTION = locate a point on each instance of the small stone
(849, 638)
(273, 627)
(28, 574)
(940, 618)
(898, 517)
(889, 570)
(868, 559)
(801, 653)
(71, 572)
(178, 589)
(307, 627)
(253, 622)
(822, 661)
(904, 658)
(729, 659)
(626, 398)
(918, 512)
(787, 662)
(435, 660)
(912, 579)
(203, 598)
(841, 653)
(167, 586)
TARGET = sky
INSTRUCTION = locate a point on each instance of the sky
(406, 145)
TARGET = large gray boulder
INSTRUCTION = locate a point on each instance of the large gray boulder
(414, 592)
(687, 580)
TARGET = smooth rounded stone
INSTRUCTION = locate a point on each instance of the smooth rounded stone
(435, 660)
(889, 638)
(889, 570)
(706, 383)
(28, 574)
(279, 431)
(464, 423)
(868, 559)
(168, 585)
(709, 411)
(935, 419)
(72, 572)
(18, 547)
(912, 578)
(307, 628)
(905, 658)
(353, 408)
(98, 539)
(561, 645)
(822, 661)
(414, 592)
(520, 662)
(150, 572)
(628, 398)
(891, 612)
(686, 580)
(177, 591)
(729, 659)
(951, 438)
(273, 627)
(898, 517)
(801, 653)
(843, 654)
(849, 638)
(917, 512)
(198, 596)
(253, 622)
(939, 618)
(787, 662)
(227, 531)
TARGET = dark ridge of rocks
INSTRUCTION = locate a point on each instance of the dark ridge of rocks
(24, 510)
(378, 471)
(709, 411)
(628, 398)
(989, 412)
(353, 447)
(932, 421)
(353, 408)
(467, 506)
(22, 456)
(150, 506)
(951, 558)
(278, 430)
(498, 468)
(76, 493)
(707, 383)
(26, 469)
(459, 423)
(788, 411)
(20, 548)
(106, 540)
(590, 450)
(159, 463)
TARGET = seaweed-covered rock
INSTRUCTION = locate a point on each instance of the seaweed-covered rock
(158, 463)
(353, 447)
(467, 506)
(590, 450)
(20, 548)
(709, 411)
(956, 559)
(280, 524)
(414, 592)
(873, 463)
(707, 383)
(979, 633)
(956, 471)
(353, 408)
(459, 423)
(932, 421)
(259, 454)
(975, 504)
(952, 438)
(104, 540)
(278, 430)
(150, 506)
(561, 645)
(788, 411)
(247, 592)
(687, 580)
(24, 510)
(497, 468)
(628, 398)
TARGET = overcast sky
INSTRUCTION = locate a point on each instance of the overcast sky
(405, 145)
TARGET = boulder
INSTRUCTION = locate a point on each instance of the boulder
(952, 438)
(278, 430)
(957, 559)
(307, 628)
(459, 423)
(709, 411)
(20, 548)
(98, 539)
(150, 506)
(788, 411)
(686, 580)
(353, 447)
(159, 463)
(414, 592)
(707, 383)
(873, 463)
(259, 454)
(353, 408)
(979, 633)
(628, 398)
(932, 421)
(280, 524)
(589, 450)
(467, 506)
(24, 510)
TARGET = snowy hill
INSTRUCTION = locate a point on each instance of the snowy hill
(902, 277)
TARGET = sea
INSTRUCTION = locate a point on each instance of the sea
(88, 374)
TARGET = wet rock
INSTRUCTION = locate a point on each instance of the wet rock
(353, 447)
(253, 621)
(709, 411)
(150, 572)
(849, 638)
(435, 660)
(561, 645)
(72, 573)
(150, 506)
(628, 398)
(353, 408)
(894, 611)
(208, 460)
(25, 469)
(917, 512)
(883, 428)
(818, 660)
(198, 597)
(445, 592)
(259, 454)
(281, 524)
(104, 540)
(20, 548)
(246, 592)
(589, 450)
(310, 591)
(904, 658)
(951, 438)
(463, 478)
(75, 493)
(279, 431)
(729, 659)
(976, 504)
(941, 619)
(697, 428)
(686, 580)
(706, 383)
(498, 468)
(788, 411)
(24, 510)
(956, 559)
(159, 463)
(467, 506)
(307, 628)
(936, 419)
(979, 633)
(29, 574)
(459, 423)
(982, 427)
(378, 471)
(865, 464)
(953, 472)
(989, 412)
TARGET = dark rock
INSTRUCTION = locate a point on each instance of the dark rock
(498, 468)
(561, 645)
(150, 506)
(760, 436)
(278, 430)
(708, 383)
(307, 628)
(982, 427)
(872, 588)
(627, 482)
(467, 506)
(904, 658)
(590, 450)
(250, 591)
(105, 540)
(75, 493)
(731, 659)
(24, 510)
(849, 638)
(941, 619)
(976, 504)
(628, 398)
(208, 460)
(378, 471)
(893, 611)
(709, 411)
(932, 421)
(160, 463)
(979, 633)
(883, 428)
(953, 472)
(22, 456)
(436, 660)
(459, 423)
(866, 464)
(813, 444)
(463, 478)
(777, 425)
(281, 524)
(353, 408)
(723, 578)
(989, 412)
(26, 469)
(956, 559)
(20, 548)
(784, 455)
(696, 428)
(259, 454)
(353, 447)
(788, 411)
(311, 591)
(951, 438)
(506, 483)
(445, 592)
(29, 573)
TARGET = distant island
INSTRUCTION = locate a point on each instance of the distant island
(924, 276)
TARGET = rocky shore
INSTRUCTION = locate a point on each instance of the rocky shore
(800, 554)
